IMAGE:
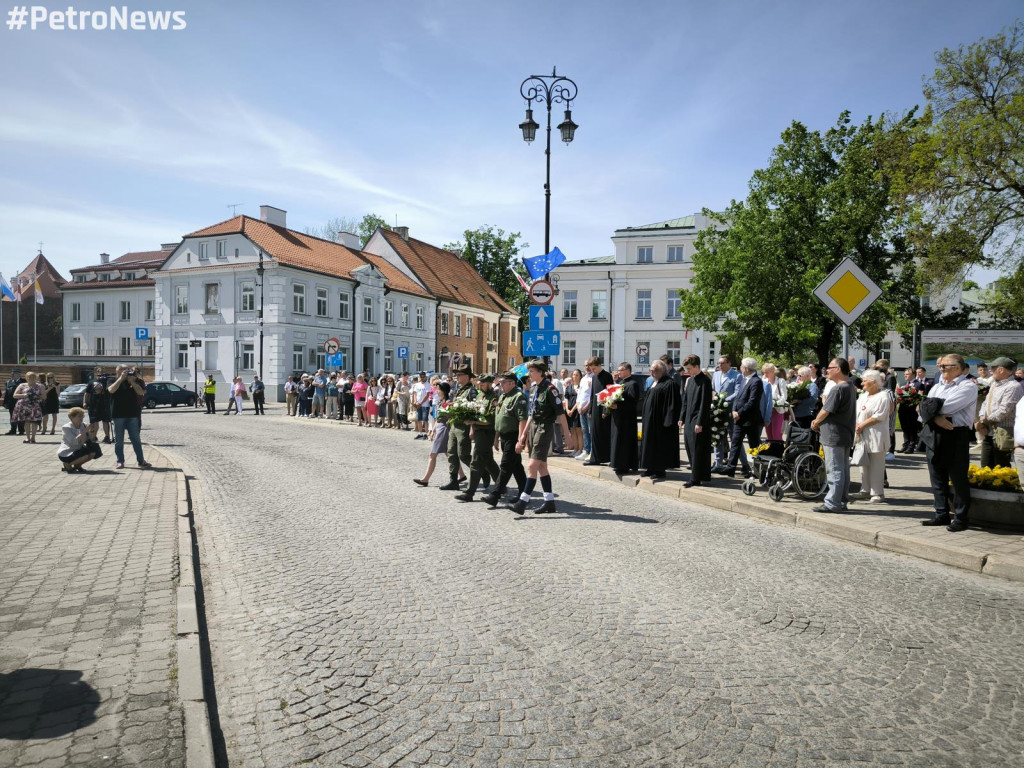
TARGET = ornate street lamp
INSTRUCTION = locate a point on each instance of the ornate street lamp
(548, 90)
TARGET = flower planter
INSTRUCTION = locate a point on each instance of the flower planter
(1000, 509)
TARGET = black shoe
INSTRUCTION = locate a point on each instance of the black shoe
(938, 520)
(956, 526)
(419, 482)
(519, 507)
(450, 486)
(690, 484)
(491, 499)
(547, 508)
(465, 496)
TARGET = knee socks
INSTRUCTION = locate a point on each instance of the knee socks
(531, 483)
(545, 483)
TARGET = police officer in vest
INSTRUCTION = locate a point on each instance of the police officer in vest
(210, 394)
(510, 425)
(460, 448)
(482, 465)
(545, 408)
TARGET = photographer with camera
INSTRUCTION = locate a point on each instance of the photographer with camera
(125, 394)
(97, 401)
(78, 445)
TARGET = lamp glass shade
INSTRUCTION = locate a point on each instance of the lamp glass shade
(567, 127)
(529, 127)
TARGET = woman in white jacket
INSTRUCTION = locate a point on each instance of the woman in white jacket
(873, 410)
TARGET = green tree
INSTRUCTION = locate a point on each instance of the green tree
(1006, 301)
(364, 227)
(964, 172)
(821, 198)
(494, 255)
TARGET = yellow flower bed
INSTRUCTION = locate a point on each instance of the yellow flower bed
(998, 479)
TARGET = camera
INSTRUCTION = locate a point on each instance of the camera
(131, 372)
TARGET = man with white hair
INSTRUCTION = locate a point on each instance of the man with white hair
(746, 416)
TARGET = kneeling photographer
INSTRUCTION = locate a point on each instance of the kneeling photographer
(126, 393)
(78, 444)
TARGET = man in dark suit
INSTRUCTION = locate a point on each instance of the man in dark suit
(697, 421)
(746, 416)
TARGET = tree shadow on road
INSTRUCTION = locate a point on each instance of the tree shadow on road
(45, 703)
(570, 511)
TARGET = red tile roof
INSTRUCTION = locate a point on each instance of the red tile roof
(295, 249)
(50, 280)
(445, 275)
(139, 259)
(92, 284)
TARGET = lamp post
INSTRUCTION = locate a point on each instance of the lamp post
(548, 90)
(260, 272)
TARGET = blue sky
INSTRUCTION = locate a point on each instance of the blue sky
(118, 141)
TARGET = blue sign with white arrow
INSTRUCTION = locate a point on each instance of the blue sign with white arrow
(542, 317)
(540, 343)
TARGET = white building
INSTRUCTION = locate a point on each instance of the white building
(626, 307)
(313, 290)
(105, 303)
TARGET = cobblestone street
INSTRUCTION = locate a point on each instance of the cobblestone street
(357, 619)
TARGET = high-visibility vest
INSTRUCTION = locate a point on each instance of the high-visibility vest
(210, 388)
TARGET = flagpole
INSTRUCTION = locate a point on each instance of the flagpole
(17, 334)
(35, 326)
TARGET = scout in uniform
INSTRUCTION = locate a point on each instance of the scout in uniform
(459, 447)
(509, 425)
(482, 465)
(545, 408)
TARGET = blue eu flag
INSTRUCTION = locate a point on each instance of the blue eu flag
(538, 266)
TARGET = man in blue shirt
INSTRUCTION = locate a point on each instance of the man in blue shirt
(724, 379)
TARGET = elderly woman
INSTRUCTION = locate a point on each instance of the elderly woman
(78, 442)
(28, 408)
(778, 388)
(873, 409)
(803, 410)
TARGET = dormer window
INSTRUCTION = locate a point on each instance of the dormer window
(128, 276)
(104, 277)
(79, 278)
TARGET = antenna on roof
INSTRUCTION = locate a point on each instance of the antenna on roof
(234, 208)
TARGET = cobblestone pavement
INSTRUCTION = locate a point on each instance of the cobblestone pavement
(359, 620)
(87, 612)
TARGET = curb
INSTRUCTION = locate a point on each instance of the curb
(198, 734)
(859, 532)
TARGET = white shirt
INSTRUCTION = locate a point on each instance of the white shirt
(1018, 426)
(583, 393)
(420, 392)
(960, 399)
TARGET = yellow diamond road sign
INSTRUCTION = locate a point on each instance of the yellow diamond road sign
(847, 291)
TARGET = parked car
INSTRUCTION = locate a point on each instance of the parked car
(71, 397)
(167, 393)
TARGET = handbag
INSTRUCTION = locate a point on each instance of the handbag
(1002, 439)
(860, 455)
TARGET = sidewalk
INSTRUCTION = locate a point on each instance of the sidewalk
(894, 527)
(88, 571)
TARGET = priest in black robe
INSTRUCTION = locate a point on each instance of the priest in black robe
(622, 415)
(600, 428)
(659, 448)
(697, 395)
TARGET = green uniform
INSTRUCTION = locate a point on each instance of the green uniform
(459, 447)
(512, 409)
(483, 464)
(545, 408)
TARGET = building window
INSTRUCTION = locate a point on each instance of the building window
(569, 305)
(298, 357)
(125, 309)
(127, 275)
(598, 305)
(321, 302)
(405, 315)
(181, 357)
(444, 323)
(675, 253)
(181, 300)
(643, 305)
(212, 293)
(419, 321)
(321, 360)
(76, 313)
(150, 309)
(675, 352)
(343, 307)
(299, 299)
(248, 356)
(389, 313)
(645, 254)
(104, 277)
(151, 347)
(222, 249)
(673, 304)
(76, 345)
(100, 312)
(494, 332)
(512, 332)
(101, 346)
(126, 345)
(418, 359)
(204, 251)
(458, 325)
(469, 327)
(79, 278)
(367, 309)
(568, 353)
(597, 349)
(388, 360)
(248, 297)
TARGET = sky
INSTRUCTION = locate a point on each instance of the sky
(118, 141)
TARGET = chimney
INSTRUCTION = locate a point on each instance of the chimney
(350, 241)
(403, 232)
(273, 216)
(104, 258)
(168, 246)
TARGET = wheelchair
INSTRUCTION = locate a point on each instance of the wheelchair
(793, 465)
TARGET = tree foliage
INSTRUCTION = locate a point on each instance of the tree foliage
(364, 227)
(1006, 301)
(822, 198)
(964, 169)
(494, 255)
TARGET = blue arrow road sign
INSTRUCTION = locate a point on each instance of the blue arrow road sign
(542, 317)
(538, 343)
(403, 353)
(142, 334)
(337, 360)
